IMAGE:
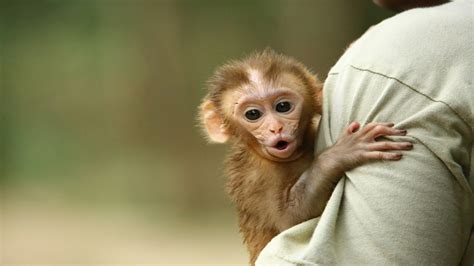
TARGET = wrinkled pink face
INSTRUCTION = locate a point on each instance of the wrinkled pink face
(271, 113)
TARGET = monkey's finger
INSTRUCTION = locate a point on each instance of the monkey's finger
(379, 155)
(352, 127)
(380, 130)
(389, 145)
(372, 125)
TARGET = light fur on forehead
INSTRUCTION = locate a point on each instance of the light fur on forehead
(259, 85)
(255, 76)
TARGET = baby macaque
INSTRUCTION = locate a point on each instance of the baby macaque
(266, 104)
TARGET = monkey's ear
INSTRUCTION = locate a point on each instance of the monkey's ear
(213, 123)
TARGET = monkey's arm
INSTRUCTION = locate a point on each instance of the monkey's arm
(308, 196)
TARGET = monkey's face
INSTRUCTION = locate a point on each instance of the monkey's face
(265, 102)
(271, 115)
(273, 120)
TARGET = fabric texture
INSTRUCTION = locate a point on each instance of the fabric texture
(414, 69)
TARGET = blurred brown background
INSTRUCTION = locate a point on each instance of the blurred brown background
(101, 160)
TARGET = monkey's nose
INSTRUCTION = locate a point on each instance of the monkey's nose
(276, 129)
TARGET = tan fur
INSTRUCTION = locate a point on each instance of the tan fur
(234, 74)
(256, 186)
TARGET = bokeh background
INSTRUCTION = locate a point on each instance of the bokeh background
(101, 159)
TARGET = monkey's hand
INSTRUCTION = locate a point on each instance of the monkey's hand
(356, 147)
(309, 195)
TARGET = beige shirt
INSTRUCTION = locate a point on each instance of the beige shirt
(414, 69)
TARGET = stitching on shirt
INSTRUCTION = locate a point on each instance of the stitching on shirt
(413, 89)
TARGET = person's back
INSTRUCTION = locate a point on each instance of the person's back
(415, 69)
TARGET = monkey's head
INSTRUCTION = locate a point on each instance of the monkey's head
(266, 101)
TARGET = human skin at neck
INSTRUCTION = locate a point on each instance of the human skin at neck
(402, 5)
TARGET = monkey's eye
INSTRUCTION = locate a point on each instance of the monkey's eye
(283, 107)
(253, 114)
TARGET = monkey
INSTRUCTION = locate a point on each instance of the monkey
(266, 105)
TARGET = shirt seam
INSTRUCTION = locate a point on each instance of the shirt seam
(415, 90)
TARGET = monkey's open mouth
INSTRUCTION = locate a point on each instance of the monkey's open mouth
(282, 148)
(281, 145)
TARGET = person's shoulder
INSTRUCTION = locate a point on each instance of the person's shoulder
(431, 19)
(429, 50)
(415, 39)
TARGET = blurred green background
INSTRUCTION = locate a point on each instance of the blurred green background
(101, 160)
